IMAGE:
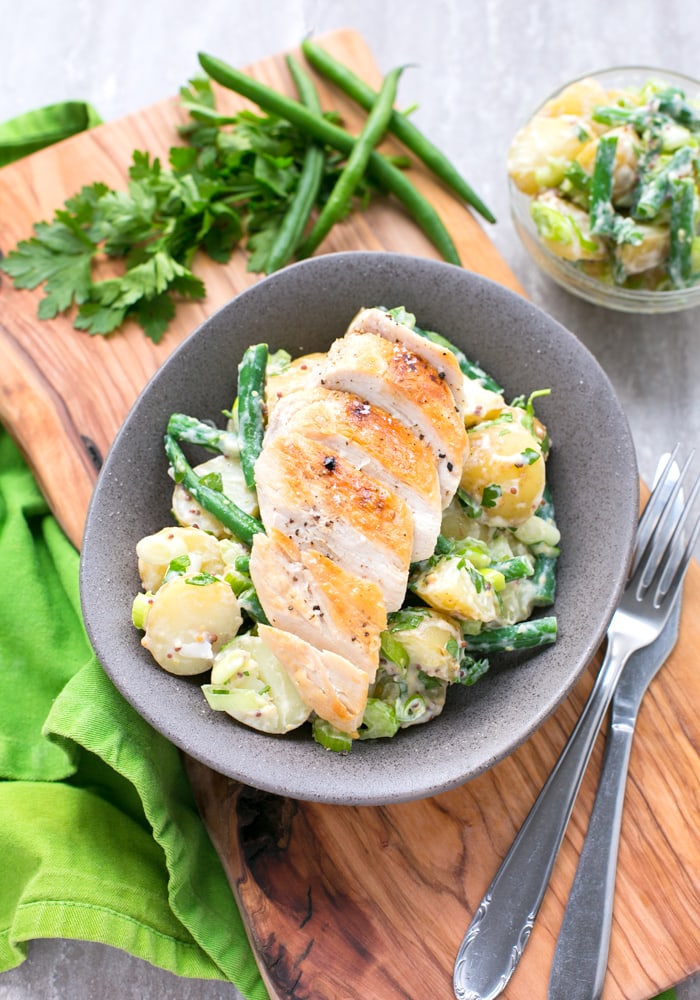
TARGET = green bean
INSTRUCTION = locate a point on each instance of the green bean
(250, 602)
(601, 210)
(642, 119)
(297, 215)
(185, 428)
(339, 200)
(682, 229)
(470, 669)
(672, 101)
(238, 522)
(389, 178)
(506, 638)
(544, 579)
(654, 190)
(666, 106)
(251, 404)
(399, 125)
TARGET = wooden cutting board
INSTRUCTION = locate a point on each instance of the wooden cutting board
(348, 902)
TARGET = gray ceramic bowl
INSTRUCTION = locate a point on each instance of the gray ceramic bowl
(593, 477)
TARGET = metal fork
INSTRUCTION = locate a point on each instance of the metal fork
(580, 958)
(499, 931)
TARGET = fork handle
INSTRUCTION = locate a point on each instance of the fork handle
(581, 955)
(499, 931)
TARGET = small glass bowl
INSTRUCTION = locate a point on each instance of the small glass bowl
(567, 274)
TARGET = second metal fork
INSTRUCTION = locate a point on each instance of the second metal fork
(499, 931)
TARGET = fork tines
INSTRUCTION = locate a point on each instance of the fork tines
(663, 548)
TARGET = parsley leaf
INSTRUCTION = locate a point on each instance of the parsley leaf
(230, 185)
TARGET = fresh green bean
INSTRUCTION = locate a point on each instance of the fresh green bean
(251, 404)
(297, 215)
(339, 200)
(389, 178)
(238, 522)
(506, 638)
(399, 125)
(185, 428)
(682, 230)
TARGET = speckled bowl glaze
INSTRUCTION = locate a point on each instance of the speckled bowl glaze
(593, 476)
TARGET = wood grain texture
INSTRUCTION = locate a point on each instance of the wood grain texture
(341, 903)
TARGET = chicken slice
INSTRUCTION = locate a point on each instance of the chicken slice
(300, 374)
(397, 380)
(331, 685)
(375, 442)
(317, 600)
(441, 358)
(321, 501)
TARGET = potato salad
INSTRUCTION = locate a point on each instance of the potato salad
(613, 177)
(373, 523)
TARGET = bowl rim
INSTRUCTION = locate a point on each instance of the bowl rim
(306, 784)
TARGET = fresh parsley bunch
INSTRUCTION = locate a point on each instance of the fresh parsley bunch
(231, 184)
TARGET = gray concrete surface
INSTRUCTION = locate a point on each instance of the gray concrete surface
(480, 67)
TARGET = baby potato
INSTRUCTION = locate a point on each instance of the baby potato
(504, 472)
(189, 620)
(450, 587)
(650, 253)
(542, 150)
(480, 403)
(432, 643)
(579, 99)
(156, 552)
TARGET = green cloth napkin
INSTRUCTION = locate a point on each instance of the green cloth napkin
(100, 837)
(44, 126)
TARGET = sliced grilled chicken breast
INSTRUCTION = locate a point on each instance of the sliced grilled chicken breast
(300, 375)
(392, 377)
(321, 501)
(373, 441)
(441, 358)
(331, 685)
(320, 602)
